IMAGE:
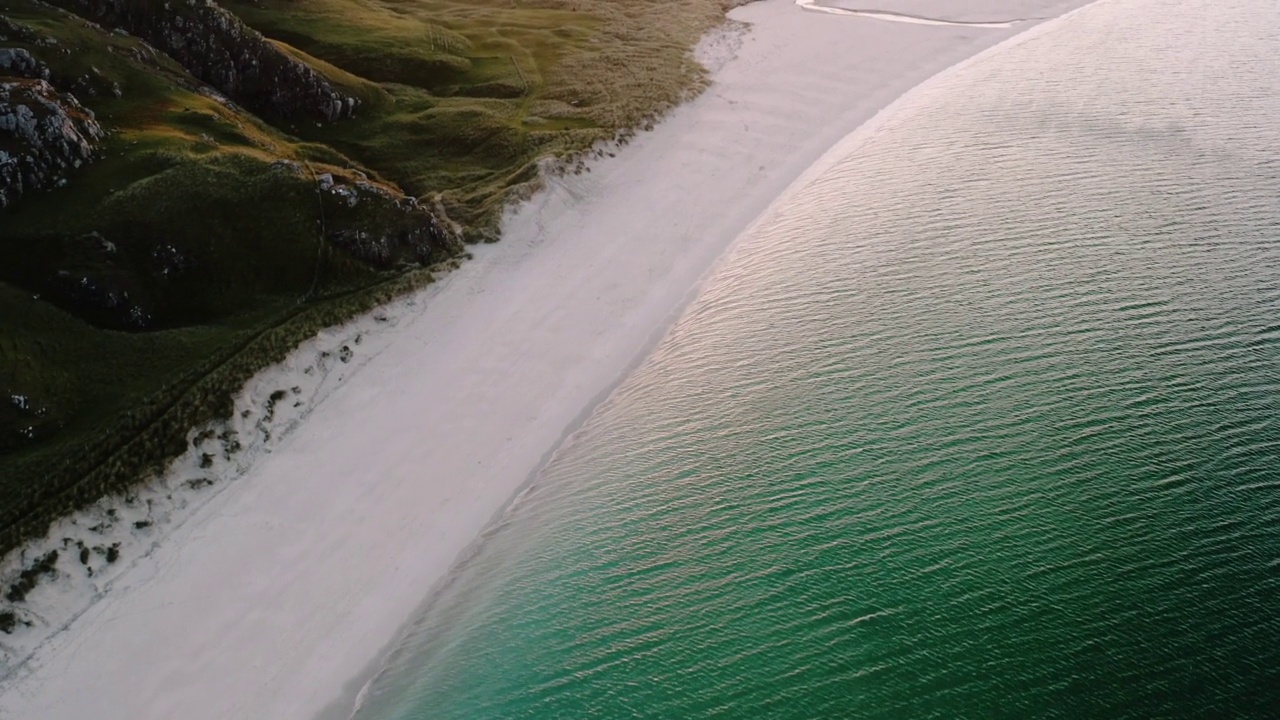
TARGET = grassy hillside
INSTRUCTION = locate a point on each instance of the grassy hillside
(475, 92)
(200, 246)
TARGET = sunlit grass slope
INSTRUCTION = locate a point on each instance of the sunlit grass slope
(475, 92)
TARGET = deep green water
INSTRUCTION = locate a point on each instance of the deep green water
(985, 423)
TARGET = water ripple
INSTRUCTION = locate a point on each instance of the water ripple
(985, 424)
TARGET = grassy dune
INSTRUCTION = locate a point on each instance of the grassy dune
(217, 241)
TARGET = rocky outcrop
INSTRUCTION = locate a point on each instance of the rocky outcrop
(44, 135)
(18, 62)
(416, 238)
(217, 48)
(402, 230)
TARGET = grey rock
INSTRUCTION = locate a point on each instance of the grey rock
(49, 135)
(216, 47)
(349, 196)
(21, 63)
(287, 166)
(408, 232)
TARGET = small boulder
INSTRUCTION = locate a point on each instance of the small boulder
(21, 63)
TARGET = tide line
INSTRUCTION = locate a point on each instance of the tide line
(899, 17)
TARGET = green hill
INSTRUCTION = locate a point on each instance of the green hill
(188, 190)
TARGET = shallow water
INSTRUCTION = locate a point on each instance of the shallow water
(983, 423)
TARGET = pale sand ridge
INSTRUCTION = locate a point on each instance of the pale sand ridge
(268, 598)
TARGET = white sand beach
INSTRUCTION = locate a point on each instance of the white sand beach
(273, 592)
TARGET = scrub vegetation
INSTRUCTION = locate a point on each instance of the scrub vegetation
(211, 233)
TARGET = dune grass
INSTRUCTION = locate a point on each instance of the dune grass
(461, 100)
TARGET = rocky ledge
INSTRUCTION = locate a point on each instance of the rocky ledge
(21, 63)
(404, 231)
(216, 47)
(44, 135)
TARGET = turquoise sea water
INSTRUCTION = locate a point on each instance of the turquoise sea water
(983, 423)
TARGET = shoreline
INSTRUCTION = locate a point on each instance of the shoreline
(331, 537)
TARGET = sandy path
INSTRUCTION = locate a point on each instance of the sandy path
(279, 591)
